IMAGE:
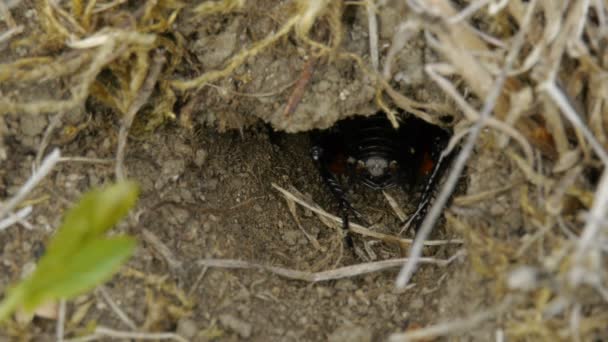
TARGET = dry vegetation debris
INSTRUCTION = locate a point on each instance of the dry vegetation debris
(525, 83)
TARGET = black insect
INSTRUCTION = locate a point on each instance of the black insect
(369, 150)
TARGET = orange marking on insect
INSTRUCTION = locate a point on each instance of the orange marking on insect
(427, 164)
(338, 165)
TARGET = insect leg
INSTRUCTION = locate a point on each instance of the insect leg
(332, 182)
(418, 216)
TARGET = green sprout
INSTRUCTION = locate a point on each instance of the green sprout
(80, 255)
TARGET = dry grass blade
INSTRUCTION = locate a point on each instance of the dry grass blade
(46, 167)
(237, 60)
(17, 217)
(373, 33)
(575, 118)
(586, 267)
(313, 277)
(103, 333)
(453, 327)
(117, 310)
(358, 229)
(292, 209)
(8, 34)
(143, 95)
(162, 249)
(395, 206)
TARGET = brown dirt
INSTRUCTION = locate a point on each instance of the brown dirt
(226, 208)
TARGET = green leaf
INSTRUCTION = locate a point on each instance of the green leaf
(79, 256)
(95, 213)
(92, 264)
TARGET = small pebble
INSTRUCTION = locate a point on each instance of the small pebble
(242, 328)
(290, 237)
(200, 157)
(349, 333)
(187, 328)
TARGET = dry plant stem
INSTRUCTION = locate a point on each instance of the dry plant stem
(395, 206)
(46, 137)
(468, 11)
(405, 103)
(103, 333)
(60, 327)
(104, 7)
(575, 323)
(458, 166)
(570, 113)
(117, 310)
(13, 218)
(452, 38)
(140, 100)
(197, 282)
(5, 14)
(47, 165)
(453, 327)
(110, 46)
(356, 228)
(313, 277)
(276, 92)
(595, 222)
(86, 160)
(292, 209)
(162, 249)
(433, 70)
(373, 33)
(468, 200)
(237, 60)
(45, 68)
(8, 34)
(404, 32)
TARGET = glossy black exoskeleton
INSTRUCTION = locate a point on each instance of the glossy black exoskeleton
(369, 150)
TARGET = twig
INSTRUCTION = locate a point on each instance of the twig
(101, 332)
(10, 33)
(117, 310)
(162, 249)
(198, 280)
(7, 16)
(395, 206)
(47, 165)
(338, 273)
(570, 113)
(46, 137)
(468, 11)
(292, 209)
(404, 32)
(372, 22)
(595, 222)
(59, 332)
(13, 218)
(86, 160)
(455, 326)
(140, 100)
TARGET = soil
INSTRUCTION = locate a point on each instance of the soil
(208, 194)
